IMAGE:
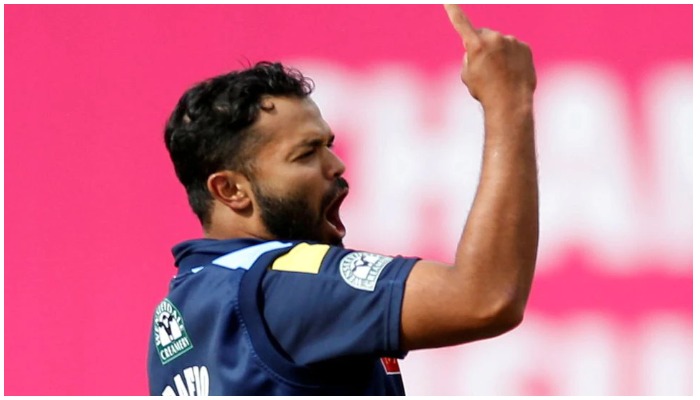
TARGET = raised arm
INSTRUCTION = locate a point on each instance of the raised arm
(485, 292)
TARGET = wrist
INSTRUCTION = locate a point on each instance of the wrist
(507, 121)
(510, 110)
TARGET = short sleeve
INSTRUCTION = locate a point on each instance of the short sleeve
(323, 302)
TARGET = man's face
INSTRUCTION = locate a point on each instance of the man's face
(297, 185)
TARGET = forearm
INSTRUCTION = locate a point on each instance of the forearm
(497, 252)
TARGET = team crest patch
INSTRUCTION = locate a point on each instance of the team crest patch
(361, 270)
(172, 340)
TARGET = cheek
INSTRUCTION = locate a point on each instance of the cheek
(301, 181)
(304, 180)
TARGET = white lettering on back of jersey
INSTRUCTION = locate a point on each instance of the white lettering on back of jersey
(195, 383)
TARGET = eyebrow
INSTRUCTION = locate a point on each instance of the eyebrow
(315, 142)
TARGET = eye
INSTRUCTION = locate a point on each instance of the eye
(307, 154)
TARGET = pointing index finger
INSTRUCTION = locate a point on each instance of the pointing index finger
(461, 23)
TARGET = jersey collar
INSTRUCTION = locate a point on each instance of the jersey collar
(198, 252)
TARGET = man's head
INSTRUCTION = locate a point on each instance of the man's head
(252, 151)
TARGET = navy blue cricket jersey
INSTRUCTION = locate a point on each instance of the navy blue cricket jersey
(252, 317)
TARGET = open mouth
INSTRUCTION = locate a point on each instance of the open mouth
(333, 214)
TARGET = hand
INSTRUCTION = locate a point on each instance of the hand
(497, 69)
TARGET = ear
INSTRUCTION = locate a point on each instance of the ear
(230, 188)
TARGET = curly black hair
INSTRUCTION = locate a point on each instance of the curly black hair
(210, 128)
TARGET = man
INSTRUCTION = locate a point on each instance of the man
(270, 302)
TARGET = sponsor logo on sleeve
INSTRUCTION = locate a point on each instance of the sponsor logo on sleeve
(171, 336)
(304, 257)
(391, 365)
(361, 270)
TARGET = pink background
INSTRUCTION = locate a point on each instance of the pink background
(92, 205)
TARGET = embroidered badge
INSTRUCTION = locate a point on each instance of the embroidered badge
(361, 270)
(171, 337)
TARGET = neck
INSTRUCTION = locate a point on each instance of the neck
(223, 234)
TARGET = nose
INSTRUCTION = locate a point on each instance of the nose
(334, 165)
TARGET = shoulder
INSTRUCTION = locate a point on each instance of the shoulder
(322, 302)
(358, 269)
